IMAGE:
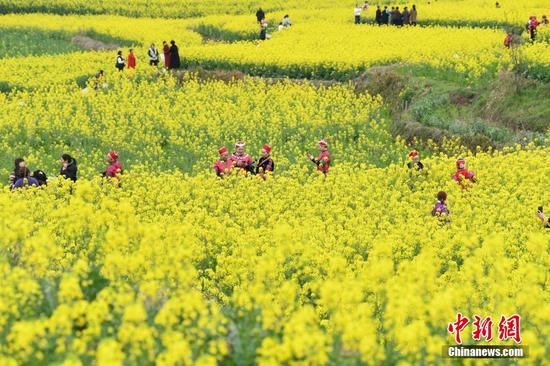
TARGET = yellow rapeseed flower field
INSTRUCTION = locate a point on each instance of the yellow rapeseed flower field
(298, 269)
(171, 265)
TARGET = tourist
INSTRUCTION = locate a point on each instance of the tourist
(174, 56)
(19, 163)
(413, 16)
(131, 59)
(153, 55)
(260, 15)
(25, 179)
(263, 30)
(120, 64)
(286, 21)
(406, 16)
(397, 17)
(508, 40)
(440, 207)
(357, 13)
(69, 168)
(385, 16)
(166, 52)
(40, 177)
(379, 18)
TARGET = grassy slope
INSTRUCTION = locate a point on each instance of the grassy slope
(504, 110)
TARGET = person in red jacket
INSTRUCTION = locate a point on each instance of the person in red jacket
(462, 174)
(323, 160)
(224, 165)
(131, 59)
(114, 169)
(166, 51)
(241, 159)
(508, 40)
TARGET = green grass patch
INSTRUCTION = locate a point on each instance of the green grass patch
(18, 41)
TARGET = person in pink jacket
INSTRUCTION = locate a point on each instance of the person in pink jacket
(241, 159)
(462, 174)
(114, 169)
(323, 160)
(224, 165)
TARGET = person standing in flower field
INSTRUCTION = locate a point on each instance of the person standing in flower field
(241, 159)
(508, 40)
(462, 174)
(153, 55)
(265, 163)
(260, 15)
(357, 13)
(114, 169)
(131, 59)
(413, 15)
(323, 160)
(440, 207)
(415, 162)
(166, 52)
(69, 168)
(120, 63)
(174, 56)
(286, 21)
(224, 165)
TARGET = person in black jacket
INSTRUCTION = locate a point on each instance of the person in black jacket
(68, 167)
(41, 177)
(260, 15)
(378, 15)
(174, 56)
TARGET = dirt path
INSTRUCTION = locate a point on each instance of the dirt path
(91, 44)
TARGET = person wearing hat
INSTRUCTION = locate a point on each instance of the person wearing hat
(241, 159)
(265, 163)
(462, 174)
(224, 165)
(114, 168)
(323, 160)
(415, 161)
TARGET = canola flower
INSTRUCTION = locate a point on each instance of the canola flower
(350, 268)
(320, 45)
(477, 12)
(181, 127)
